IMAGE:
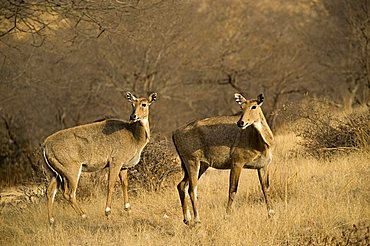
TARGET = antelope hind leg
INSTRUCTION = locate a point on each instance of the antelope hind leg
(51, 191)
(70, 194)
(182, 188)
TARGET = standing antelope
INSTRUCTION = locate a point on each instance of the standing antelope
(111, 143)
(225, 142)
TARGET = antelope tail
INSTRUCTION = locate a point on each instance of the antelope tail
(178, 153)
(51, 167)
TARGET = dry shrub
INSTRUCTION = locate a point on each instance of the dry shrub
(93, 185)
(326, 133)
(19, 160)
(157, 168)
(350, 235)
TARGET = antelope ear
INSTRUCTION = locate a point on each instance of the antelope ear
(239, 98)
(260, 99)
(152, 97)
(130, 97)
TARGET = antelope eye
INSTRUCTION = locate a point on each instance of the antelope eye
(143, 105)
(254, 107)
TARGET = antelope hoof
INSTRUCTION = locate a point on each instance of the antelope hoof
(186, 222)
(127, 207)
(271, 213)
(107, 211)
(226, 216)
(51, 222)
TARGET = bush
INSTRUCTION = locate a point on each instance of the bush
(157, 168)
(325, 134)
(19, 161)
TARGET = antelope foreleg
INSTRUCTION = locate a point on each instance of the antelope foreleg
(264, 180)
(124, 180)
(113, 175)
(233, 186)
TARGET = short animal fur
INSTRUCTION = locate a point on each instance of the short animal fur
(224, 142)
(112, 144)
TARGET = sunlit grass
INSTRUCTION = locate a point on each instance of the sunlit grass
(317, 202)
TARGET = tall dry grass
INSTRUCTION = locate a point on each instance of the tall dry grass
(317, 202)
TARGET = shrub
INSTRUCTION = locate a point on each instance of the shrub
(19, 162)
(325, 134)
(157, 168)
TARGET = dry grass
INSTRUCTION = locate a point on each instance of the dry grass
(316, 203)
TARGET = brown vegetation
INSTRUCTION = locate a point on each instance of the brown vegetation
(65, 63)
(326, 133)
(316, 202)
(157, 168)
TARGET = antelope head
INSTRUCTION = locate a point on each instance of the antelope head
(251, 111)
(140, 107)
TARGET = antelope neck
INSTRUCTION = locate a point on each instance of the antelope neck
(264, 130)
(142, 127)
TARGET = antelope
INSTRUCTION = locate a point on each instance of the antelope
(225, 142)
(111, 143)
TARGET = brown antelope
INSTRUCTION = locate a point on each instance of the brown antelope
(225, 142)
(112, 144)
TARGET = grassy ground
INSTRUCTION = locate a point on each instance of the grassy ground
(316, 203)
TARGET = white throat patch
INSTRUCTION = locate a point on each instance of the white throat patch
(144, 121)
(258, 125)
